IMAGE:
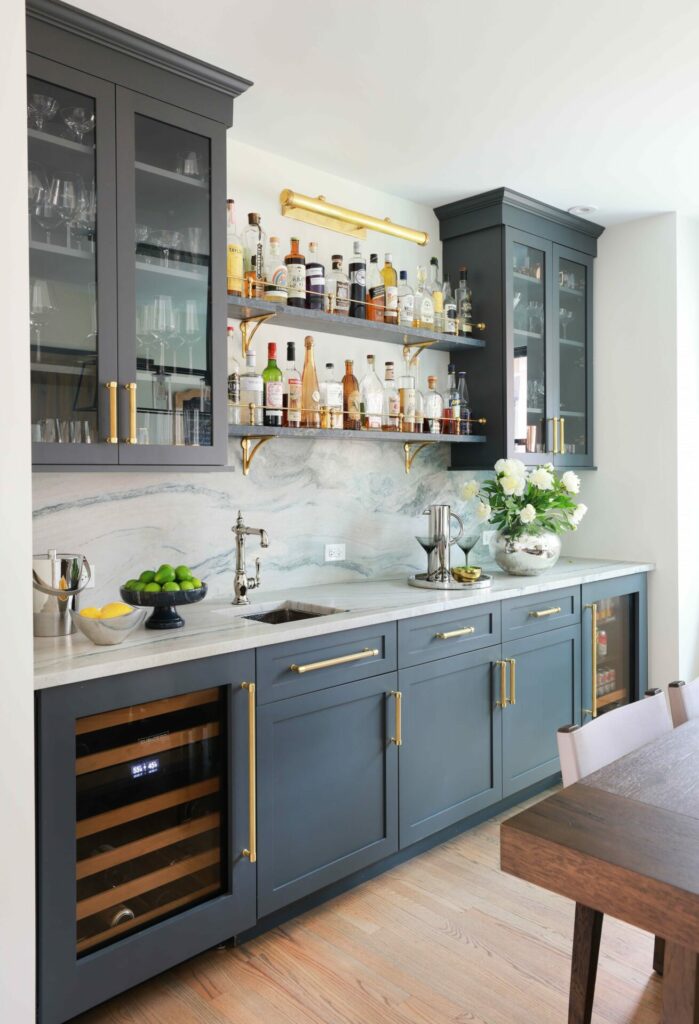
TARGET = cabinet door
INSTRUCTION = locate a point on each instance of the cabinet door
(143, 819)
(572, 311)
(72, 248)
(172, 298)
(544, 693)
(450, 759)
(615, 653)
(327, 788)
(529, 360)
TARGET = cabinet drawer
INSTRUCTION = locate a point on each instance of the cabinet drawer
(537, 613)
(439, 636)
(303, 666)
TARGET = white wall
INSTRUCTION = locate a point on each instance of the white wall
(17, 994)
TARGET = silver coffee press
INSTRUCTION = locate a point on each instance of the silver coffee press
(440, 541)
(58, 580)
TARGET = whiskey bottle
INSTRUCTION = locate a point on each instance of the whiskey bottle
(406, 393)
(390, 282)
(292, 389)
(296, 276)
(350, 398)
(406, 301)
(315, 280)
(452, 404)
(273, 392)
(435, 287)
(357, 276)
(391, 400)
(423, 315)
(234, 253)
(371, 396)
(464, 304)
(450, 319)
(464, 404)
(251, 392)
(374, 291)
(255, 244)
(310, 394)
(275, 288)
(331, 399)
(434, 406)
(337, 289)
(419, 397)
(233, 380)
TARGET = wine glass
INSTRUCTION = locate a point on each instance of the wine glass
(66, 194)
(85, 219)
(189, 328)
(45, 212)
(170, 244)
(79, 121)
(41, 306)
(565, 315)
(164, 324)
(41, 108)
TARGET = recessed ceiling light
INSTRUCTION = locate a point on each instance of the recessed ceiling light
(582, 211)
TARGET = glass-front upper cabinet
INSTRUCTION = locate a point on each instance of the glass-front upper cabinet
(573, 311)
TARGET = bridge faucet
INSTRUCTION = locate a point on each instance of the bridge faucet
(242, 583)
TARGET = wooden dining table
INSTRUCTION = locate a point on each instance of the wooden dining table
(623, 841)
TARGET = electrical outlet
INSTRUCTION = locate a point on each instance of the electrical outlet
(334, 552)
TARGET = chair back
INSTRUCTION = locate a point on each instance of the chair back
(684, 701)
(584, 749)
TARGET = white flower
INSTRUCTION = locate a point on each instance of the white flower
(541, 478)
(571, 482)
(513, 485)
(471, 489)
(483, 511)
(577, 514)
(510, 467)
(501, 465)
(528, 514)
(549, 466)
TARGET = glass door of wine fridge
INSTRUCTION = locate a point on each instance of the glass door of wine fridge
(614, 649)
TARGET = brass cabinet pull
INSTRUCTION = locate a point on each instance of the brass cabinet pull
(513, 664)
(313, 666)
(502, 703)
(455, 632)
(562, 445)
(251, 853)
(398, 738)
(133, 437)
(112, 435)
(593, 661)
(555, 436)
(545, 613)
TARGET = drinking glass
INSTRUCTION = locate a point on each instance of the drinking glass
(49, 432)
(164, 324)
(41, 108)
(79, 121)
(188, 164)
(170, 245)
(41, 307)
(565, 315)
(189, 328)
(467, 542)
(194, 245)
(36, 182)
(85, 219)
(66, 194)
(45, 211)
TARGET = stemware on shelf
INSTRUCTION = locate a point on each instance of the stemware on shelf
(188, 164)
(66, 194)
(37, 182)
(170, 244)
(189, 328)
(565, 315)
(85, 220)
(41, 108)
(41, 307)
(45, 211)
(164, 324)
(79, 121)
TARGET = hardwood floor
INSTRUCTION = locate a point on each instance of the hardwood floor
(444, 938)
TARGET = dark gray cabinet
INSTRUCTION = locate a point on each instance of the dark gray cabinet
(327, 787)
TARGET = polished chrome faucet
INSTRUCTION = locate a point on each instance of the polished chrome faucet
(242, 583)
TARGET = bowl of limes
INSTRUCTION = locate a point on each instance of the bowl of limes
(163, 590)
(109, 624)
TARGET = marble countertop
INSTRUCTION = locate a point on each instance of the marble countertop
(217, 627)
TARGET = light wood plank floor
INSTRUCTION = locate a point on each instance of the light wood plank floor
(444, 938)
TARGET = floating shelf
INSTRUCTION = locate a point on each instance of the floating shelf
(61, 250)
(56, 140)
(160, 172)
(196, 274)
(347, 326)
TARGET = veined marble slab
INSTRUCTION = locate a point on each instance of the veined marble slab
(217, 627)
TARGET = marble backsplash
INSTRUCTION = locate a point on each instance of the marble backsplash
(304, 493)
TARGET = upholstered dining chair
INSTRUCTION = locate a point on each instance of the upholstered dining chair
(684, 701)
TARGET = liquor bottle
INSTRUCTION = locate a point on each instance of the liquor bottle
(419, 397)
(315, 280)
(452, 403)
(464, 405)
(435, 287)
(406, 301)
(233, 380)
(331, 399)
(337, 289)
(450, 321)
(351, 402)
(273, 381)
(292, 389)
(234, 254)
(310, 394)
(357, 276)
(434, 406)
(391, 400)
(423, 314)
(390, 282)
(406, 392)
(375, 297)
(253, 288)
(275, 288)
(296, 276)
(464, 304)
(255, 244)
(251, 392)
(371, 396)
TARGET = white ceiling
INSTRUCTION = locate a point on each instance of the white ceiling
(570, 102)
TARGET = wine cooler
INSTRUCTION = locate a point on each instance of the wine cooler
(146, 825)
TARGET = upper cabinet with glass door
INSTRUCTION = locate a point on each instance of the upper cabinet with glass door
(127, 314)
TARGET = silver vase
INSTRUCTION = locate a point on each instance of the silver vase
(525, 555)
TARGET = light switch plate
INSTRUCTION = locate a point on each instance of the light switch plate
(334, 552)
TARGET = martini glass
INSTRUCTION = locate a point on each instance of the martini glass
(467, 541)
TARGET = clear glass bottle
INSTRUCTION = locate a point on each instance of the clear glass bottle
(357, 277)
(331, 399)
(233, 379)
(275, 288)
(464, 304)
(255, 244)
(391, 400)
(315, 279)
(235, 261)
(295, 263)
(251, 392)
(292, 389)
(390, 284)
(273, 390)
(310, 394)
(371, 397)
(406, 392)
(423, 314)
(351, 403)
(337, 289)
(450, 318)
(375, 297)
(434, 407)
(452, 403)
(435, 287)
(464, 404)
(406, 301)
(419, 397)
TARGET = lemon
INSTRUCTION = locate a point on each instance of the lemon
(147, 576)
(183, 572)
(91, 613)
(115, 609)
(171, 586)
(165, 574)
(152, 588)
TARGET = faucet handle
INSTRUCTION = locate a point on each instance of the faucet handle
(257, 572)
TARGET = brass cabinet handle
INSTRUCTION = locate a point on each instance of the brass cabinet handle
(513, 664)
(455, 632)
(313, 666)
(555, 436)
(545, 613)
(251, 853)
(112, 435)
(133, 437)
(562, 445)
(593, 710)
(398, 738)
(502, 703)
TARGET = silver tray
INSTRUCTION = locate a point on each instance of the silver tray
(420, 580)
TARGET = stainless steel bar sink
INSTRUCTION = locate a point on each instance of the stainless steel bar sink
(292, 611)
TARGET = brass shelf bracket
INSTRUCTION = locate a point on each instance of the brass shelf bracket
(250, 451)
(255, 322)
(413, 351)
(411, 449)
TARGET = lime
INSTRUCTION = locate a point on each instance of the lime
(196, 583)
(152, 588)
(170, 587)
(183, 572)
(186, 585)
(147, 576)
(137, 587)
(131, 584)
(165, 574)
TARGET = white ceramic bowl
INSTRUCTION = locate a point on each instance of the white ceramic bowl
(106, 632)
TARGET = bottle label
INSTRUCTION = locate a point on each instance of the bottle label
(353, 405)
(393, 406)
(277, 282)
(331, 394)
(450, 318)
(296, 280)
(437, 302)
(465, 317)
(274, 394)
(426, 310)
(373, 407)
(391, 297)
(358, 276)
(234, 388)
(342, 297)
(234, 267)
(407, 406)
(406, 308)
(293, 412)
